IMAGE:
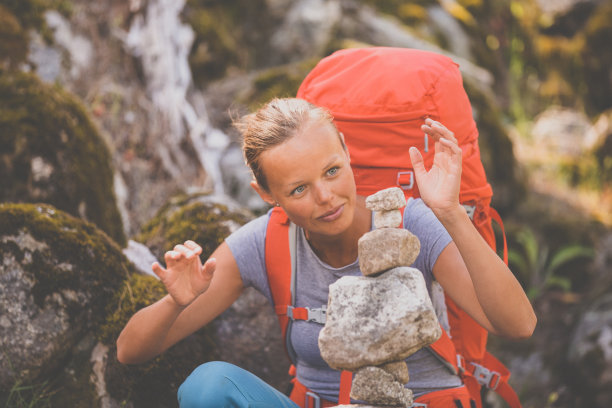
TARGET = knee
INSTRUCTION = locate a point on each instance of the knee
(206, 386)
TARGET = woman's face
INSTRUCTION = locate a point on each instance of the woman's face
(310, 176)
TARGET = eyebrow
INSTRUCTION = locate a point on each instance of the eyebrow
(327, 166)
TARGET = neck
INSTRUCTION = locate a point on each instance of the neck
(341, 250)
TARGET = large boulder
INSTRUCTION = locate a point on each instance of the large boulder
(51, 152)
(57, 277)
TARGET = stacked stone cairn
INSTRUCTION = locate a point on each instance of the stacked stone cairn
(374, 322)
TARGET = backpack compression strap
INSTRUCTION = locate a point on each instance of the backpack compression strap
(280, 267)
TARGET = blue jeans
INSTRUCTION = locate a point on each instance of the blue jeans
(219, 384)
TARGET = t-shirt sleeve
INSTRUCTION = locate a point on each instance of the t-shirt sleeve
(422, 222)
(248, 247)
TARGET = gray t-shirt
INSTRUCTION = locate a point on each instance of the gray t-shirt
(247, 244)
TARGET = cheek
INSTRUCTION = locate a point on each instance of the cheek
(298, 211)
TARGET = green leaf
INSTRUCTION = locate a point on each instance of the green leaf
(517, 259)
(569, 253)
(561, 282)
(530, 245)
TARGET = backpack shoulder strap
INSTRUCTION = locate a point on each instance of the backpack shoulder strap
(279, 269)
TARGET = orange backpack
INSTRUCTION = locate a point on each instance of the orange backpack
(379, 97)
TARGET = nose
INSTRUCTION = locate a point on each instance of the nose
(323, 193)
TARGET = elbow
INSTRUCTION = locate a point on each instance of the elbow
(123, 354)
(525, 330)
(125, 358)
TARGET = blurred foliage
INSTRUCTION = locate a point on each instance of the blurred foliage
(229, 34)
(538, 266)
(278, 82)
(29, 396)
(17, 19)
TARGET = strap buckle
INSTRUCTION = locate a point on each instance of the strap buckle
(470, 209)
(311, 396)
(315, 314)
(460, 364)
(401, 181)
(486, 377)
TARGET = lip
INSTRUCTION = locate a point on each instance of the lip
(332, 215)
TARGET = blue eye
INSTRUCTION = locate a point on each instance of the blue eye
(298, 190)
(333, 171)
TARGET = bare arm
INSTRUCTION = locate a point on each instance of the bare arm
(470, 272)
(196, 295)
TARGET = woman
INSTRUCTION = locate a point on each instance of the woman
(300, 162)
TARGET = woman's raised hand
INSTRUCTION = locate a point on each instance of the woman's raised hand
(185, 277)
(439, 187)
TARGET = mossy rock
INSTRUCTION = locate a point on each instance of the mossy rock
(58, 277)
(51, 152)
(206, 220)
(197, 217)
(153, 384)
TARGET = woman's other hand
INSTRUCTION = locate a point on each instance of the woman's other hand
(185, 277)
(439, 187)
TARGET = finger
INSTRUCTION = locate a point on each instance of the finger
(451, 146)
(158, 270)
(172, 256)
(185, 251)
(193, 247)
(437, 130)
(417, 162)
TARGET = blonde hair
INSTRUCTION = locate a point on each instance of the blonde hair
(274, 123)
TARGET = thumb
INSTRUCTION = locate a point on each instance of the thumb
(158, 270)
(208, 269)
(417, 162)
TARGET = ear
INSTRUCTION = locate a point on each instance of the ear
(263, 193)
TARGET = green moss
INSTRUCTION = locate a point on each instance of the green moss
(96, 262)
(155, 383)
(186, 217)
(51, 152)
(136, 293)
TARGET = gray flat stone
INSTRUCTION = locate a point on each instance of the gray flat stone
(386, 248)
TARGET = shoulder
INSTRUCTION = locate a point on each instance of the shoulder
(253, 231)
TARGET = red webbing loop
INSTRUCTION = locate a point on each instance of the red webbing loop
(346, 381)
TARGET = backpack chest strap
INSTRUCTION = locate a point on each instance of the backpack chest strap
(309, 314)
